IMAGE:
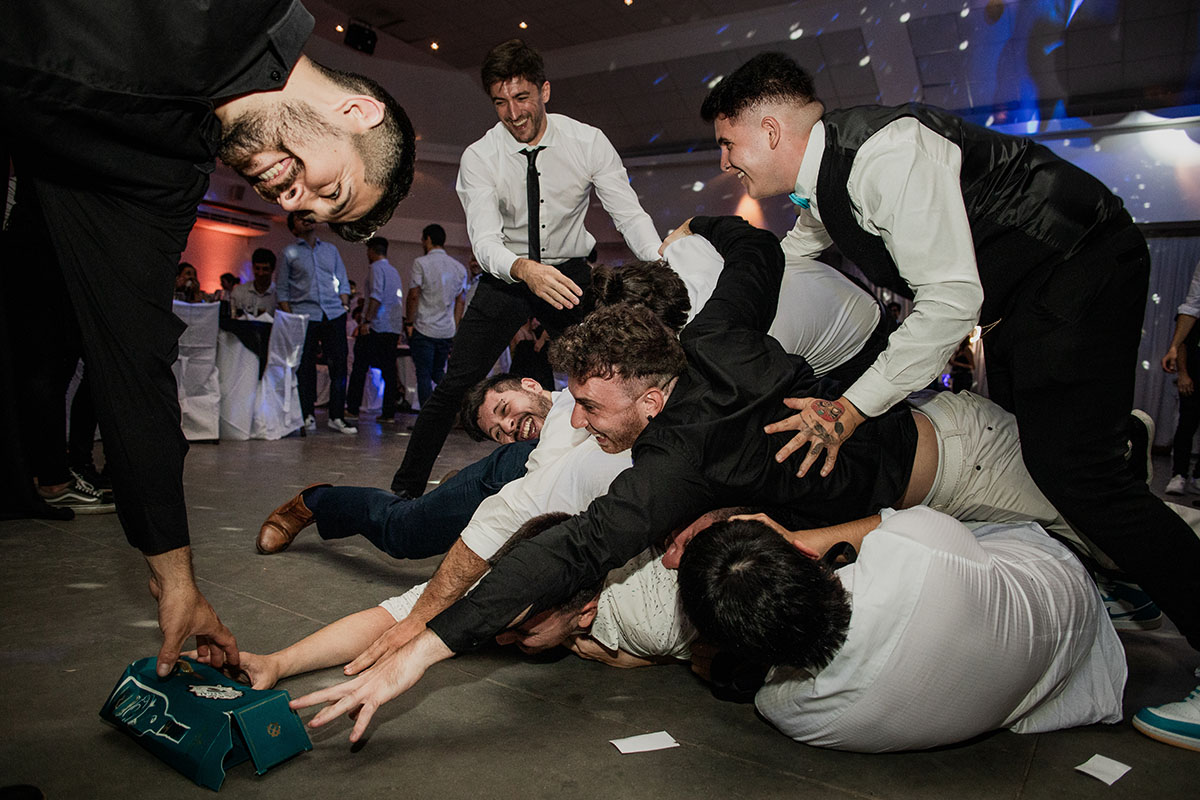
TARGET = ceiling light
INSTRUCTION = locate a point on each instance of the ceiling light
(433, 45)
(523, 25)
(339, 29)
(628, 2)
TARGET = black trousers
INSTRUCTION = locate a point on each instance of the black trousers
(1062, 359)
(330, 335)
(116, 260)
(1189, 422)
(496, 312)
(375, 350)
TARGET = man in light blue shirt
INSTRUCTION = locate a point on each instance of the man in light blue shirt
(439, 285)
(312, 281)
(379, 333)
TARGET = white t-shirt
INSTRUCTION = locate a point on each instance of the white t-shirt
(953, 634)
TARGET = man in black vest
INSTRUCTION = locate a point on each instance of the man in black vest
(974, 225)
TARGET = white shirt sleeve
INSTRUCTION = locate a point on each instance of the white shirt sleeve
(476, 187)
(1191, 303)
(401, 606)
(611, 182)
(904, 187)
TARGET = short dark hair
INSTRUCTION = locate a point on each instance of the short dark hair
(749, 591)
(182, 266)
(469, 413)
(644, 283)
(435, 233)
(229, 277)
(377, 244)
(263, 256)
(533, 527)
(291, 220)
(768, 77)
(620, 340)
(512, 59)
(388, 152)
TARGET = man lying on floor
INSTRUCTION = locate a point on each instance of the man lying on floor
(632, 619)
(932, 636)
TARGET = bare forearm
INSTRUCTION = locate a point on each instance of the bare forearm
(458, 572)
(172, 568)
(334, 644)
(821, 539)
(410, 304)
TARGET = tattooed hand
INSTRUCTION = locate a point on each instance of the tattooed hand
(821, 424)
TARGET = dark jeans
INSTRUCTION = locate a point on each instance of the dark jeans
(331, 335)
(426, 526)
(375, 350)
(1062, 361)
(495, 314)
(1189, 421)
(429, 360)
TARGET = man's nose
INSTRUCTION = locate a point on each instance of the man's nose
(578, 417)
(725, 165)
(294, 198)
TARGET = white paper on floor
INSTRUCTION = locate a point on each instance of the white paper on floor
(1104, 768)
(645, 742)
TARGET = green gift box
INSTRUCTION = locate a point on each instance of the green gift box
(201, 722)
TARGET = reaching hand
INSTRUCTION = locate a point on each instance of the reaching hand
(391, 676)
(389, 641)
(547, 283)
(1185, 384)
(683, 230)
(183, 612)
(822, 424)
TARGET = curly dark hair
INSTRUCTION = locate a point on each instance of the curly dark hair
(645, 283)
(388, 152)
(468, 414)
(623, 340)
(512, 59)
(749, 591)
(765, 78)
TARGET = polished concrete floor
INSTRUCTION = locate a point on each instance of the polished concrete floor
(75, 612)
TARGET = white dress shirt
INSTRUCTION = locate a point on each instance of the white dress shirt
(577, 157)
(442, 279)
(822, 315)
(565, 472)
(904, 187)
(953, 634)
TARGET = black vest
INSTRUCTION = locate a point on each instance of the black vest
(1027, 207)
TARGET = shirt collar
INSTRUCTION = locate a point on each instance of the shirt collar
(810, 165)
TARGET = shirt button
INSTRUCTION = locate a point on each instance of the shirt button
(276, 75)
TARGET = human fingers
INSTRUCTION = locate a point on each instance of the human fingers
(798, 441)
(368, 657)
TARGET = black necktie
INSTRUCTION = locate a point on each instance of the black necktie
(533, 197)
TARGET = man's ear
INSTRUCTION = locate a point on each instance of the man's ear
(545, 92)
(653, 401)
(773, 130)
(529, 384)
(588, 614)
(358, 113)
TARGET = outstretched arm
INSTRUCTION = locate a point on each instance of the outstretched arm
(459, 570)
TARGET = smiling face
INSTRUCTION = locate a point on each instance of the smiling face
(746, 150)
(290, 155)
(611, 410)
(521, 107)
(514, 415)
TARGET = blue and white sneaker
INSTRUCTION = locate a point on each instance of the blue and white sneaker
(1129, 608)
(1176, 724)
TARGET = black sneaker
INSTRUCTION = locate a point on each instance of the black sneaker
(81, 497)
(89, 474)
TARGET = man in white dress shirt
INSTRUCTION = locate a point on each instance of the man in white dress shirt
(932, 636)
(532, 253)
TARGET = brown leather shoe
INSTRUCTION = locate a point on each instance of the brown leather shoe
(284, 523)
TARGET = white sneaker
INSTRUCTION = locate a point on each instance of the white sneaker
(1175, 723)
(1176, 485)
(341, 427)
(310, 423)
